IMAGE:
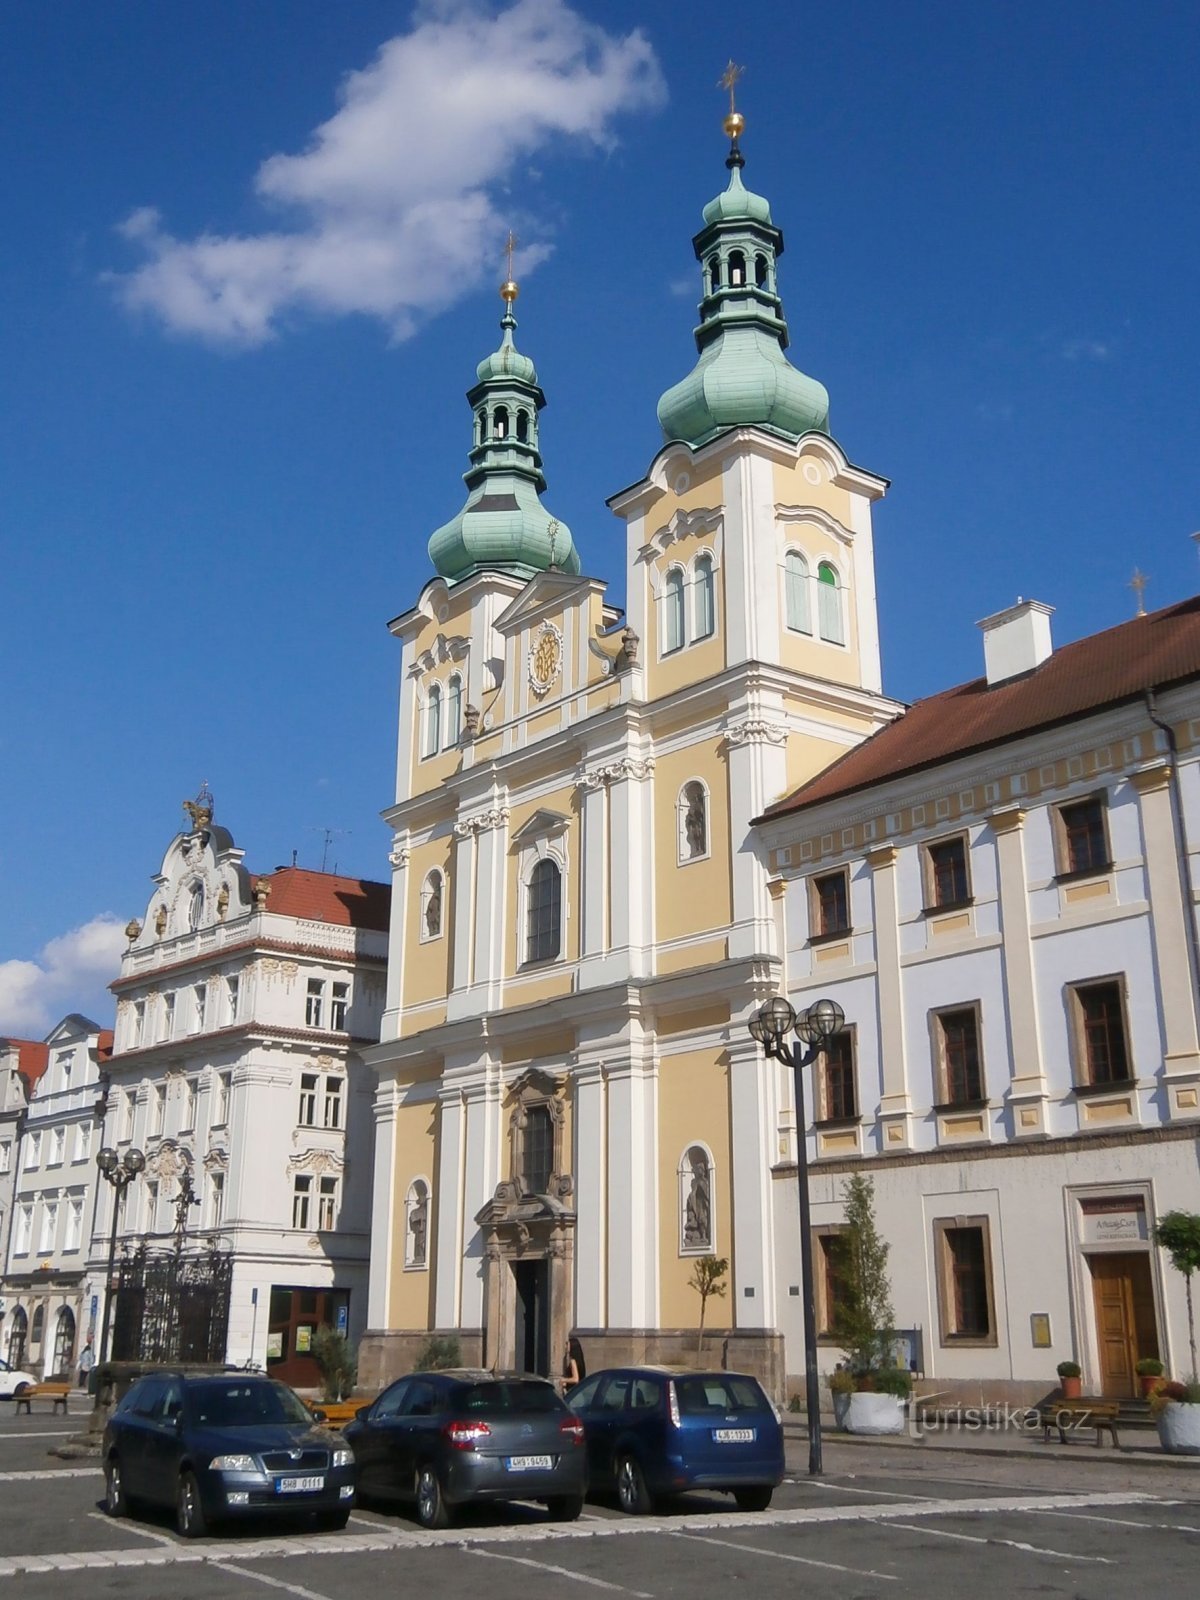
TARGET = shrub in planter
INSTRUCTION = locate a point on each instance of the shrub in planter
(893, 1380)
(1069, 1373)
(1176, 1409)
(1149, 1370)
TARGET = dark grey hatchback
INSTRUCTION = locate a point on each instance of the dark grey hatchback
(217, 1447)
(443, 1439)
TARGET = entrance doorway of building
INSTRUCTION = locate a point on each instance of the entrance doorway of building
(532, 1342)
(296, 1314)
(1126, 1327)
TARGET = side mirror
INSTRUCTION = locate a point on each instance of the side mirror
(362, 1414)
(319, 1416)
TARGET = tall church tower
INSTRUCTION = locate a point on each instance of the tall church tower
(571, 1110)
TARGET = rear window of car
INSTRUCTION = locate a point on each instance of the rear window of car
(238, 1405)
(718, 1393)
(517, 1398)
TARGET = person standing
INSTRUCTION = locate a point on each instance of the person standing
(87, 1360)
(574, 1366)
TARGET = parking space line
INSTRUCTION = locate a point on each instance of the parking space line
(848, 1488)
(272, 1583)
(781, 1555)
(1013, 1544)
(1117, 1522)
(559, 1572)
(134, 1527)
(49, 1472)
(62, 1433)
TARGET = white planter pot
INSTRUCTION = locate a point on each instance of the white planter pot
(874, 1413)
(1179, 1429)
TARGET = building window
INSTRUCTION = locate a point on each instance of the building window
(829, 605)
(200, 1011)
(544, 932)
(1101, 1040)
(66, 1061)
(49, 1231)
(339, 1004)
(158, 1108)
(233, 987)
(830, 1284)
(1083, 837)
(704, 598)
(216, 1199)
(333, 1102)
(697, 1235)
(964, 1280)
(83, 1142)
(693, 822)
(309, 1082)
(22, 1230)
(168, 1016)
(327, 1203)
(795, 580)
(946, 880)
(39, 1326)
(959, 1062)
(189, 1104)
(537, 1150)
(838, 1088)
(5, 1155)
(151, 1206)
(58, 1147)
(314, 1002)
(139, 1023)
(416, 1225)
(829, 909)
(453, 711)
(74, 1234)
(301, 1200)
(431, 906)
(33, 1152)
(673, 611)
(432, 737)
(128, 1106)
(224, 1087)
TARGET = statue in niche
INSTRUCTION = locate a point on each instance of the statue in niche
(433, 909)
(418, 1225)
(697, 1213)
(695, 830)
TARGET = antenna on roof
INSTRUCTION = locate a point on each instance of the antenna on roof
(330, 834)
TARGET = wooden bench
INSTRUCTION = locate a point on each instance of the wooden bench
(55, 1392)
(1063, 1414)
(337, 1413)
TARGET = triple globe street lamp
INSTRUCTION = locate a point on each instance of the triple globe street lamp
(120, 1171)
(814, 1027)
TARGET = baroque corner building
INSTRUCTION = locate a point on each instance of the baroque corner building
(570, 1109)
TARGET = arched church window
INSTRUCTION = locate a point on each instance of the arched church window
(18, 1334)
(432, 893)
(537, 1149)
(544, 932)
(697, 1232)
(693, 821)
(500, 422)
(453, 711)
(737, 269)
(432, 735)
(673, 618)
(760, 271)
(703, 598)
(522, 425)
(39, 1326)
(829, 604)
(795, 569)
(416, 1225)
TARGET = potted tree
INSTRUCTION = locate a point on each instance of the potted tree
(1069, 1374)
(863, 1320)
(1179, 1234)
(1176, 1410)
(1149, 1370)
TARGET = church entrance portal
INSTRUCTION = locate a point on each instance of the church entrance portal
(532, 1316)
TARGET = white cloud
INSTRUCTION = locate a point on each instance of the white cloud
(71, 974)
(396, 202)
(1086, 350)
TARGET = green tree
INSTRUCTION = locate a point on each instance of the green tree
(439, 1353)
(708, 1280)
(337, 1361)
(1179, 1234)
(863, 1320)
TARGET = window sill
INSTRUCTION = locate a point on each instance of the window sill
(838, 1122)
(1085, 1091)
(1083, 873)
(691, 861)
(830, 938)
(968, 1341)
(949, 1107)
(949, 907)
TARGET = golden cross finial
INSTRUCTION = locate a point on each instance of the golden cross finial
(728, 79)
(510, 244)
(508, 289)
(1138, 584)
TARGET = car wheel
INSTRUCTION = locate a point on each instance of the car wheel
(19, 1391)
(432, 1511)
(115, 1501)
(755, 1499)
(565, 1507)
(631, 1488)
(334, 1521)
(189, 1508)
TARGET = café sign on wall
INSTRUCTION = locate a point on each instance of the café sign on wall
(1115, 1219)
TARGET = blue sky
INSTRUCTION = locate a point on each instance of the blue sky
(251, 256)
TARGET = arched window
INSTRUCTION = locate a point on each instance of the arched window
(673, 619)
(522, 426)
(483, 427)
(737, 269)
(432, 736)
(829, 605)
(196, 907)
(714, 274)
(796, 588)
(431, 906)
(64, 1344)
(537, 1149)
(39, 1326)
(453, 711)
(697, 1232)
(544, 935)
(500, 422)
(760, 272)
(18, 1336)
(693, 821)
(703, 598)
(416, 1225)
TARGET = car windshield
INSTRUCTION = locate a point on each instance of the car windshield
(240, 1405)
(716, 1392)
(513, 1397)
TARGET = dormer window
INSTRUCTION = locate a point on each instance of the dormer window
(500, 422)
(737, 269)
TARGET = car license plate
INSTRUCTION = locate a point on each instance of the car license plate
(298, 1485)
(733, 1435)
(529, 1463)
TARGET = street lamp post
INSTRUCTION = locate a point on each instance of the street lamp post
(120, 1171)
(770, 1025)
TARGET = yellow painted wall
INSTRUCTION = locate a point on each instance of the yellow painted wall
(411, 1303)
(698, 895)
(563, 802)
(427, 963)
(693, 1108)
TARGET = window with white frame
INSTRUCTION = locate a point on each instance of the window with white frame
(454, 696)
(416, 1225)
(83, 1142)
(5, 1155)
(232, 996)
(704, 600)
(543, 930)
(674, 617)
(829, 604)
(432, 900)
(49, 1229)
(309, 1086)
(339, 1004)
(22, 1230)
(221, 1110)
(795, 588)
(333, 1101)
(189, 1103)
(431, 732)
(138, 1026)
(697, 1233)
(327, 1191)
(314, 1002)
(693, 821)
(73, 1237)
(151, 1212)
(32, 1156)
(128, 1105)
(216, 1198)
(58, 1147)
(168, 1016)
(158, 1109)
(301, 1199)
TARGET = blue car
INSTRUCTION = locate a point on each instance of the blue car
(653, 1432)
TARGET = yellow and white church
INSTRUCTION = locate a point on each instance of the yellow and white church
(570, 1109)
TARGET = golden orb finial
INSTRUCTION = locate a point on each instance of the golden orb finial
(508, 289)
(735, 121)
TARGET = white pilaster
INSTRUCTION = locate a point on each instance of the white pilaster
(379, 1292)
(451, 1233)
(753, 1116)
(590, 1167)
(633, 1198)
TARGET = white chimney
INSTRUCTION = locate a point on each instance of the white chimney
(1017, 640)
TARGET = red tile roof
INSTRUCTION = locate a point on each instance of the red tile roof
(1104, 669)
(32, 1058)
(324, 897)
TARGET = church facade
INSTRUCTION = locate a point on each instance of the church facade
(570, 1110)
